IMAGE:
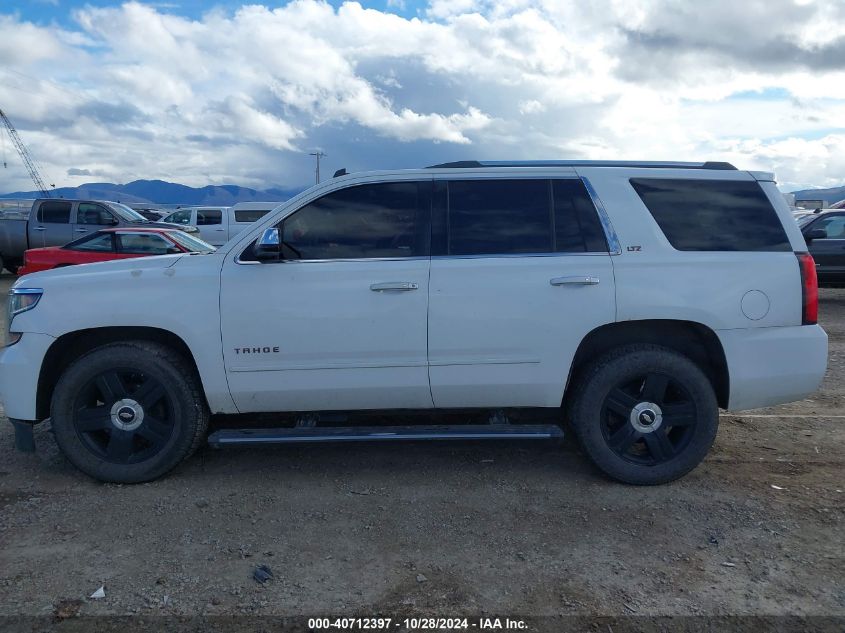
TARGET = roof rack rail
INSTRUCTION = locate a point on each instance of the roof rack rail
(474, 164)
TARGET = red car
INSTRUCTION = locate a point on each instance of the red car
(109, 244)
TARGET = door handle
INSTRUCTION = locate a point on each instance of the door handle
(40, 228)
(575, 280)
(394, 285)
(81, 230)
(220, 230)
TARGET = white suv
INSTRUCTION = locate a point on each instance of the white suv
(632, 300)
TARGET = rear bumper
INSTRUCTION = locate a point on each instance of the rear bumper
(770, 366)
(20, 366)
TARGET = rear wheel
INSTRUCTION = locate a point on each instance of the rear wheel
(645, 414)
(129, 412)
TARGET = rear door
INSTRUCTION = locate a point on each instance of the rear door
(212, 226)
(520, 273)
(51, 225)
(91, 217)
(829, 252)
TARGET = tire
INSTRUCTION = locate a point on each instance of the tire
(129, 412)
(644, 414)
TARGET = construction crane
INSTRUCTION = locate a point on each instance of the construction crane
(28, 161)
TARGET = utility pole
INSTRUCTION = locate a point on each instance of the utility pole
(318, 154)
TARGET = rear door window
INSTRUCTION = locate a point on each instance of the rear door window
(206, 217)
(54, 212)
(506, 217)
(250, 215)
(713, 215)
(488, 217)
(577, 228)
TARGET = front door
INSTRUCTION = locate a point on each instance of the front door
(90, 218)
(339, 322)
(520, 274)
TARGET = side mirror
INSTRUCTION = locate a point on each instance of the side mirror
(815, 234)
(269, 246)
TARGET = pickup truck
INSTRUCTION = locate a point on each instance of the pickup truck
(26, 224)
(217, 225)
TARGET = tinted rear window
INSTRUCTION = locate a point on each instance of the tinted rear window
(577, 226)
(713, 215)
(250, 215)
(499, 216)
(54, 212)
(207, 217)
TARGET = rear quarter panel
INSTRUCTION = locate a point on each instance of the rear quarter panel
(656, 281)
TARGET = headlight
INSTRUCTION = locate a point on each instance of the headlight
(21, 300)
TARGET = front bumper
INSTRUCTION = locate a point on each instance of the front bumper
(20, 366)
(769, 366)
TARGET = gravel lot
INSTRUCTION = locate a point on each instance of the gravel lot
(443, 530)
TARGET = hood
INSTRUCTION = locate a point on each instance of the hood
(134, 266)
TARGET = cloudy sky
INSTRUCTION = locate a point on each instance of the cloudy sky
(229, 93)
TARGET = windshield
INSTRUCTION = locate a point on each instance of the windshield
(804, 220)
(125, 213)
(191, 243)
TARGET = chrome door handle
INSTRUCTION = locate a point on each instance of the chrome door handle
(575, 280)
(394, 285)
(40, 228)
(81, 230)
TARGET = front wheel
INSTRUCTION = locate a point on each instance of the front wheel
(129, 412)
(644, 414)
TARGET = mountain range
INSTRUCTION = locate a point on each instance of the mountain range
(834, 194)
(171, 193)
(162, 192)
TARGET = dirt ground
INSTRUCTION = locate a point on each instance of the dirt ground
(443, 529)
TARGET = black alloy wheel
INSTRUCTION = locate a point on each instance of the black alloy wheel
(129, 412)
(644, 414)
(124, 417)
(649, 420)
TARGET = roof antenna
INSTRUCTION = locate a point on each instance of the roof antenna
(340, 172)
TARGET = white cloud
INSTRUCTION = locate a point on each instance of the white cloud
(136, 91)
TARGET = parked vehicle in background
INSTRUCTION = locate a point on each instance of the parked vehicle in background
(109, 244)
(825, 236)
(151, 213)
(217, 225)
(55, 222)
(632, 299)
(838, 205)
(811, 205)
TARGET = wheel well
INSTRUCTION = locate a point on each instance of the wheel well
(694, 340)
(69, 347)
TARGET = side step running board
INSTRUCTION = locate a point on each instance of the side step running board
(226, 437)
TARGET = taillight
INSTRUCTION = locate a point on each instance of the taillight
(809, 289)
